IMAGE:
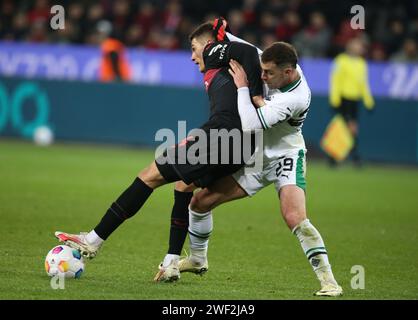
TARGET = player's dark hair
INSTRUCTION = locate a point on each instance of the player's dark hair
(203, 29)
(281, 53)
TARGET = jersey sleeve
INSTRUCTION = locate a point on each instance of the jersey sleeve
(249, 117)
(218, 55)
(335, 83)
(365, 89)
(280, 110)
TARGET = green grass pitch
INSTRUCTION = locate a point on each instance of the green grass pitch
(367, 217)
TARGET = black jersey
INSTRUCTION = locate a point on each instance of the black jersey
(223, 101)
(218, 54)
(220, 85)
(224, 114)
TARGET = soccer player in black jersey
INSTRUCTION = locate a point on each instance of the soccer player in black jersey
(207, 51)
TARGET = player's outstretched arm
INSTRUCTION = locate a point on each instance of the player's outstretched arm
(264, 117)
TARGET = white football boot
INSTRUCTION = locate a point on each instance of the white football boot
(329, 290)
(194, 265)
(169, 273)
(78, 242)
(329, 286)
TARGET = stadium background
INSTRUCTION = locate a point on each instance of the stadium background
(49, 77)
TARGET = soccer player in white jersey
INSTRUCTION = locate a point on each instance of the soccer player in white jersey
(281, 114)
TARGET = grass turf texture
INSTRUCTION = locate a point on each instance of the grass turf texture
(367, 217)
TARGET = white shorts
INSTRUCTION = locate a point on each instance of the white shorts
(289, 169)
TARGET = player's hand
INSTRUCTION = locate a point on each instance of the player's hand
(238, 73)
(220, 27)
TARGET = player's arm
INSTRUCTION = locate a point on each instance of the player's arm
(336, 80)
(228, 47)
(218, 54)
(367, 96)
(264, 117)
(247, 56)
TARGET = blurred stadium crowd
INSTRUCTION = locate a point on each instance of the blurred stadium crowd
(317, 28)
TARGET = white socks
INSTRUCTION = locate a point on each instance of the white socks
(169, 258)
(314, 249)
(93, 239)
(200, 228)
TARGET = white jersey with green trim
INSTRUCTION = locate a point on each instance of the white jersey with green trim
(283, 115)
(282, 118)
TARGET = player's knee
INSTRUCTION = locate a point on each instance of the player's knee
(151, 176)
(197, 204)
(293, 217)
(202, 202)
(182, 187)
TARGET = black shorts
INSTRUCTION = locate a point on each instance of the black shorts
(186, 162)
(349, 109)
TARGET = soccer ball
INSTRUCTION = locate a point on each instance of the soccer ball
(63, 260)
(43, 136)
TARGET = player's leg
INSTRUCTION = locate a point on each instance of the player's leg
(293, 207)
(292, 203)
(168, 269)
(353, 127)
(201, 223)
(183, 193)
(124, 207)
(351, 116)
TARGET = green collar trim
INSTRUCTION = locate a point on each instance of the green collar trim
(291, 85)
